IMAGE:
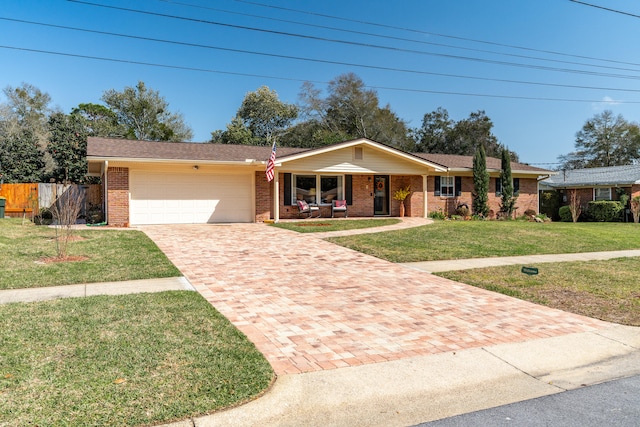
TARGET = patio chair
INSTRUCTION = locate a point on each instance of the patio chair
(339, 206)
(305, 208)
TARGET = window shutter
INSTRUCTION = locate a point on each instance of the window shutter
(287, 189)
(348, 193)
(516, 186)
(458, 188)
(437, 186)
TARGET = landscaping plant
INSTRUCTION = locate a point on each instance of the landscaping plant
(575, 206)
(65, 211)
(480, 204)
(508, 200)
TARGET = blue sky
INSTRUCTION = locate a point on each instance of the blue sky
(447, 40)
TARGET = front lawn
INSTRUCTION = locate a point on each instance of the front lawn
(607, 290)
(112, 255)
(125, 360)
(318, 226)
(444, 240)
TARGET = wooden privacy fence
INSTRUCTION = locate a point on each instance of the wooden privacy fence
(29, 199)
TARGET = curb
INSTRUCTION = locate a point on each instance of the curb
(91, 289)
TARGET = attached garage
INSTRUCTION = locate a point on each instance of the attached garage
(197, 197)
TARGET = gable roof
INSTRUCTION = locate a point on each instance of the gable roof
(367, 142)
(127, 149)
(612, 175)
(101, 149)
(456, 162)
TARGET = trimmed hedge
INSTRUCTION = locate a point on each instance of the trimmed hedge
(605, 211)
(565, 214)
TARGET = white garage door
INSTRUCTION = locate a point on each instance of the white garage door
(195, 198)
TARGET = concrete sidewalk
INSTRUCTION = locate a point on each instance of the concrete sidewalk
(91, 289)
(426, 388)
(528, 260)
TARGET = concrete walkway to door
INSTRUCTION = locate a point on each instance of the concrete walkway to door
(310, 305)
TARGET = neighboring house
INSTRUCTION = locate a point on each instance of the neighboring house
(604, 183)
(166, 182)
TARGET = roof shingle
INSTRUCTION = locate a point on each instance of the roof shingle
(612, 175)
(132, 149)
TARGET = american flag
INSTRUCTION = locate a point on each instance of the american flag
(271, 164)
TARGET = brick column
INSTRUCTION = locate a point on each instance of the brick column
(118, 196)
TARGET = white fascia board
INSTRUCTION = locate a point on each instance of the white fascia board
(246, 162)
(372, 144)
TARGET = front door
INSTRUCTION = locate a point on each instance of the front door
(381, 195)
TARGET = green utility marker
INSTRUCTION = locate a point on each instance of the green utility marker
(530, 270)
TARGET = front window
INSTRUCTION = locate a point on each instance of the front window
(331, 188)
(305, 188)
(316, 189)
(447, 186)
(602, 193)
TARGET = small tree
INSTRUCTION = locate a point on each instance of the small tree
(400, 195)
(65, 211)
(480, 203)
(508, 200)
(575, 205)
(635, 208)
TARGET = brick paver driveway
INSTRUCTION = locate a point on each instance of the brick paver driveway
(308, 304)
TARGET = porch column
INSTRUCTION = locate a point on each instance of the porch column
(276, 196)
(424, 197)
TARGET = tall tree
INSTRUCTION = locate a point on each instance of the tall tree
(99, 120)
(145, 114)
(350, 110)
(21, 159)
(23, 119)
(29, 106)
(604, 140)
(433, 135)
(440, 134)
(265, 115)
(508, 200)
(68, 147)
(480, 202)
(261, 119)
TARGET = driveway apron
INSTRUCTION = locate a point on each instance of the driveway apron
(310, 305)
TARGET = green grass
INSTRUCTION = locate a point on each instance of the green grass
(126, 361)
(316, 226)
(112, 255)
(480, 239)
(607, 290)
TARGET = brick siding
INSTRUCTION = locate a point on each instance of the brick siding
(118, 196)
(527, 197)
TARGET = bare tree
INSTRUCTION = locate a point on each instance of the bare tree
(574, 205)
(635, 208)
(65, 210)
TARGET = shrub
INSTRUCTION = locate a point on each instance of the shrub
(605, 211)
(530, 212)
(437, 215)
(565, 214)
(463, 210)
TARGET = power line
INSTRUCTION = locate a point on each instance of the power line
(352, 43)
(290, 57)
(351, 31)
(262, 76)
(413, 30)
(606, 8)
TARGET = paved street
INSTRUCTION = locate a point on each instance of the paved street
(614, 403)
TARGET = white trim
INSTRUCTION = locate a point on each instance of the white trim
(595, 189)
(424, 196)
(318, 187)
(366, 142)
(276, 196)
